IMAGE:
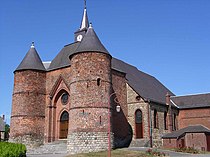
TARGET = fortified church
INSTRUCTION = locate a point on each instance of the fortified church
(84, 91)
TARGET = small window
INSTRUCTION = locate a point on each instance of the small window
(174, 121)
(165, 121)
(100, 119)
(98, 82)
(155, 119)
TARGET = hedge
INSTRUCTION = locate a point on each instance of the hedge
(12, 149)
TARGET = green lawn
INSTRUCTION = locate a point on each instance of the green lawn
(114, 153)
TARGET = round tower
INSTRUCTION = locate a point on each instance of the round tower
(90, 88)
(28, 101)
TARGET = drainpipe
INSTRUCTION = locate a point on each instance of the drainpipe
(170, 125)
(150, 121)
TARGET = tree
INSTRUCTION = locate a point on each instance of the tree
(7, 130)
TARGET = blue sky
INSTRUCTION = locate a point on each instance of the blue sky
(168, 39)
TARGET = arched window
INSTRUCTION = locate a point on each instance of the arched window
(64, 116)
(155, 119)
(138, 122)
(165, 121)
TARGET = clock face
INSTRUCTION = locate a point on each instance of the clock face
(79, 37)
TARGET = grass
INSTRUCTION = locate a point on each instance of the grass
(114, 153)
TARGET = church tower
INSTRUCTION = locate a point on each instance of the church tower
(80, 33)
(90, 89)
(28, 101)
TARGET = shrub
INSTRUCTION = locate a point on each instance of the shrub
(12, 150)
(187, 150)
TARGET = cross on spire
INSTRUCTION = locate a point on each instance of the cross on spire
(85, 3)
(85, 22)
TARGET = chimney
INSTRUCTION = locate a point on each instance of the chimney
(3, 117)
(170, 121)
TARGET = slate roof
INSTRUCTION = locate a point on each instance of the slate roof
(31, 61)
(145, 85)
(90, 43)
(192, 101)
(190, 129)
(62, 58)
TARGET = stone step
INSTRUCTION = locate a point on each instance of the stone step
(140, 143)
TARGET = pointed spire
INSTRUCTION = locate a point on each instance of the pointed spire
(84, 23)
(31, 61)
(91, 43)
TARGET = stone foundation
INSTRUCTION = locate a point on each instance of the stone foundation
(29, 140)
(84, 142)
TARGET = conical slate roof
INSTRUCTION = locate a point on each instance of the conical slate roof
(31, 61)
(91, 43)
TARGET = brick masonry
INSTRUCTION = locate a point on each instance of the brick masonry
(90, 88)
(87, 105)
(194, 116)
(28, 109)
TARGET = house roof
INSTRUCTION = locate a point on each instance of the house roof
(31, 61)
(145, 85)
(192, 101)
(190, 129)
(2, 124)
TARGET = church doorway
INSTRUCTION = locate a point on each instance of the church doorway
(138, 122)
(64, 121)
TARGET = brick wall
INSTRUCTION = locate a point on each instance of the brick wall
(122, 132)
(90, 88)
(196, 140)
(194, 117)
(169, 143)
(28, 108)
(57, 82)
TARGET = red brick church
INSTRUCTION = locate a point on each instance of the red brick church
(73, 96)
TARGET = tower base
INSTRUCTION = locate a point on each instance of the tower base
(29, 140)
(85, 142)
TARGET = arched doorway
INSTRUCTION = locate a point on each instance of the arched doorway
(138, 123)
(64, 121)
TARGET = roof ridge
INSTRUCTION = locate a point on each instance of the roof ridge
(187, 95)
